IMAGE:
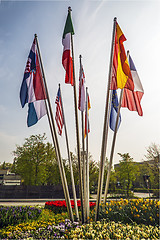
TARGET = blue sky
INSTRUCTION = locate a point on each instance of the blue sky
(93, 23)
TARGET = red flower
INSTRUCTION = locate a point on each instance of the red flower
(63, 203)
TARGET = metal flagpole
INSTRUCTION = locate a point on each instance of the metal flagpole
(113, 143)
(77, 132)
(112, 148)
(55, 140)
(70, 162)
(87, 162)
(105, 129)
(83, 153)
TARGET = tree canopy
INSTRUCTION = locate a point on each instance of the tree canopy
(33, 160)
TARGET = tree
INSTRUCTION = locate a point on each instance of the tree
(127, 172)
(153, 162)
(32, 160)
(93, 171)
(6, 166)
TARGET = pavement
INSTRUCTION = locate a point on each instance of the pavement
(41, 202)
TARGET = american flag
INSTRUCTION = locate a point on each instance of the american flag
(59, 112)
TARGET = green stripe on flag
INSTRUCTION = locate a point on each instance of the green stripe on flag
(68, 26)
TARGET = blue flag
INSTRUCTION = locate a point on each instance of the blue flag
(114, 110)
(32, 89)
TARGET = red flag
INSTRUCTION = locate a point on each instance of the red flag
(132, 99)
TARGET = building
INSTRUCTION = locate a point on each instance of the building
(8, 178)
(150, 162)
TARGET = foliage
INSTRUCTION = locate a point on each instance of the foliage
(5, 166)
(127, 172)
(141, 211)
(34, 160)
(15, 215)
(156, 193)
(60, 206)
(153, 161)
(93, 170)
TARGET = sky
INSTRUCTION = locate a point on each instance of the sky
(93, 25)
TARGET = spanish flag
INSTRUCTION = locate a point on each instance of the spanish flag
(121, 74)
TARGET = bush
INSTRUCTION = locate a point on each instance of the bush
(156, 193)
(143, 190)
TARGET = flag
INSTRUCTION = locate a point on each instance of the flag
(132, 99)
(66, 57)
(32, 89)
(81, 101)
(87, 125)
(114, 110)
(121, 74)
(36, 110)
(59, 112)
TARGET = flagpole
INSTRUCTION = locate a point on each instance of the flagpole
(83, 154)
(55, 140)
(77, 131)
(87, 162)
(113, 147)
(82, 115)
(105, 129)
(70, 162)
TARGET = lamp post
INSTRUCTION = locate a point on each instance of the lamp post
(146, 180)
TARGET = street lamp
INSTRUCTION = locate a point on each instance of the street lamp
(146, 180)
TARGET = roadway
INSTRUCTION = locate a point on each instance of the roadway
(41, 202)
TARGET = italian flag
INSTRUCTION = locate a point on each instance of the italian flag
(66, 57)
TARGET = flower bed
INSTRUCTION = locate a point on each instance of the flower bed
(112, 230)
(140, 211)
(53, 226)
(68, 230)
(60, 206)
(15, 215)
